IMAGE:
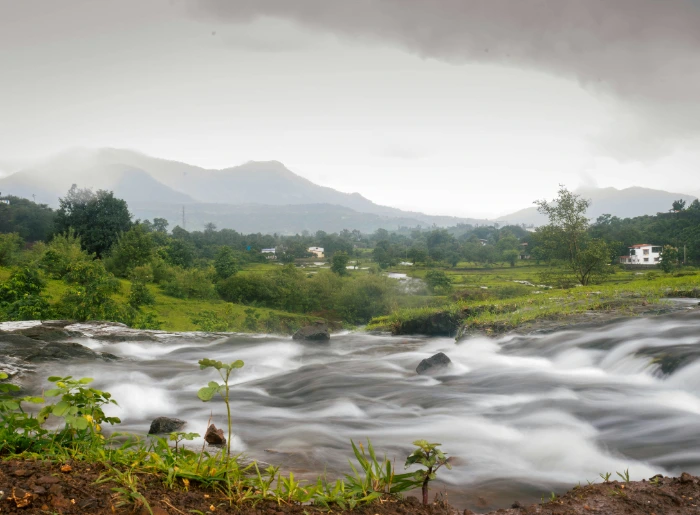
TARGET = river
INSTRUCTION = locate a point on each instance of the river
(523, 415)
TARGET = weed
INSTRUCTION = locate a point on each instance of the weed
(432, 458)
(206, 393)
(605, 476)
(625, 476)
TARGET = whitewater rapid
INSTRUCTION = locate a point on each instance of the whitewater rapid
(523, 415)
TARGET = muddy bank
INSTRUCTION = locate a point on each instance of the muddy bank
(70, 488)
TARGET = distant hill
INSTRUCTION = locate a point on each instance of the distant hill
(152, 185)
(624, 203)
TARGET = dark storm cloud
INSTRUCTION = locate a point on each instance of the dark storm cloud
(643, 52)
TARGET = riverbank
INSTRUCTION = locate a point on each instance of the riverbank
(28, 486)
(544, 309)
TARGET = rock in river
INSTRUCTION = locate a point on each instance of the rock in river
(164, 425)
(316, 332)
(433, 363)
(214, 436)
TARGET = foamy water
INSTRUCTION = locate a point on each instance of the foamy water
(523, 415)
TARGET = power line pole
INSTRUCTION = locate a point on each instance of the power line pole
(184, 223)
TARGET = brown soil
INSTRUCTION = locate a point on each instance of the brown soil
(42, 487)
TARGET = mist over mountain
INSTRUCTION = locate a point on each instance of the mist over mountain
(264, 196)
(256, 196)
(623, 203)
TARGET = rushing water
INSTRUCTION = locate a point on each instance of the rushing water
(523, 415)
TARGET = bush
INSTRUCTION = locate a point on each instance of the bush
(189, 284)
(20, 296)
(438, 281)
(89, 297)
(61, 253)
(10, 247)
(133, 248)
(364, 297)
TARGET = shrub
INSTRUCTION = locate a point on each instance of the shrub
(89, 297)
(133, 248)
(365, 296)
(61, 253)
(189, 284)
(10, 246)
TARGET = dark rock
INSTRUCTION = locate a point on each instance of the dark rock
(62, 350)
(47, 333)
(164, 425)
(412, 500)
(439, 360)
(687, 478)
(317, 332)
(516, 505)
(214, 436)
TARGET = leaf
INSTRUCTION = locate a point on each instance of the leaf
(34, 400)
(236, 364)
(53, 379)
(60, 408)
(207, 392)
(3, 375)
(86, 380)
(79, 422)
(53, 392)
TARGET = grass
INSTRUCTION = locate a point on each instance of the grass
(178, 315)
(624, 293)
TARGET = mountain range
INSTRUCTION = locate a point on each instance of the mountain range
(262, 196)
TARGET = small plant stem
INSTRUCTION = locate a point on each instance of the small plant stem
(201, 454)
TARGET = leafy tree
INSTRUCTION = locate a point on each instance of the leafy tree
(98, 218)
(133, 248)
(62, 252)
(566, 236)
(225, 263)
(90, 294)
(669, 259)
(438, 281)
(511, 256)
(33, 222)
(180, 253)
(678, 205)
(339, 263)
(10, 246)
(20, 296)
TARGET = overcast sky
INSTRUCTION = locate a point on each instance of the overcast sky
(465, 107)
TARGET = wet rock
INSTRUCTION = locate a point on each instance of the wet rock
(433, 363)
(47, 332)
(62, 350)
(687, 478)
(214, 436)
(316, 332)
(164, 425)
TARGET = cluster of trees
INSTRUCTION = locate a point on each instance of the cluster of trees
(95, 242)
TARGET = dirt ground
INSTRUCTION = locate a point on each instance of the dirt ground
(40, 487)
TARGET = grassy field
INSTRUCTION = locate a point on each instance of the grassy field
(493, 301)
(176, 314)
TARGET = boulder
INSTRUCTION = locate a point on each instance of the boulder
(317, 332)
(433, 363)
(165, 425)
(214, 436)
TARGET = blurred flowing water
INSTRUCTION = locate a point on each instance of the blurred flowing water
(522, 414)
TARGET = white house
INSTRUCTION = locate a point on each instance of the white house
(643, 254)
(5, 201)
(270, 253)
(316, 251)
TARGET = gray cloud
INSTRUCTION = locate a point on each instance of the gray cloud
(644, 54)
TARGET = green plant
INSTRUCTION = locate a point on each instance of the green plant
(179, 436)
(432, 458)
(605, 476)
(206, 393)
(625, 475)
(80, 407)
(378, 478)
(128, 493)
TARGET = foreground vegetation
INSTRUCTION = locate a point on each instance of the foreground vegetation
(79, 415)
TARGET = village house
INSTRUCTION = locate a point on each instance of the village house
(643, 254)
(270, 253)
(316, 251)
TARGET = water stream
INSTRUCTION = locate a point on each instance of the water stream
(522, 415)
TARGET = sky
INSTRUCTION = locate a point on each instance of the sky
(461, 107)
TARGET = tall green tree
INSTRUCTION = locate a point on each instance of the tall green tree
(225, 263)
(566, 236)
(339, 263)
(98, 218)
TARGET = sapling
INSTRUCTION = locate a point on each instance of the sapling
(432, 458)
(206, 393)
